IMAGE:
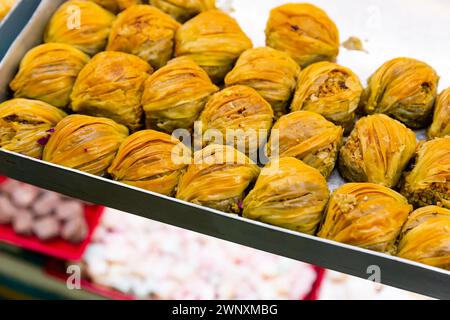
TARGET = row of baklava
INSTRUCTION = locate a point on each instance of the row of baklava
(122, 87)
(115, 84)
(5, 8)
(286, 193)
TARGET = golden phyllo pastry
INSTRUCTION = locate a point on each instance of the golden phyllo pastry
(304, 31)
(5, 7)
(175, 95)
(241, 117)
(441, 121)
(377, 151)
(82, 24)
(366, 215)
(144, 31)
(115, 6)
(151, 160)
(404, 89)
(218, 178)
(214, 40)
(25, 125)
(425, 237)
(183, 10)
(309, 137)
(48, 73)
(288, 194)
(429, 181)
(270, 72)
(111, 86)
(85, 143)
(331, 90)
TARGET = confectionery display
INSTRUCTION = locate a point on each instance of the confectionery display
(214, 40)
(5, 8)
(425, 237)
(44, 214)
(377, 151)
(241, 112)
(289, 194)
(151, 160)
(48, 73)
(175, 95)
(309, 137)
(404, 89)
(111, 86)
(218, 178)
(441, 121)
(115, 6)
(428, 183)
(25, 125)
(85, 143)
(144, 31)
(271, 72)
(304, 31)
(365, 215)
(81, 24)
(171, 97)
(331, 90)
(183, 10)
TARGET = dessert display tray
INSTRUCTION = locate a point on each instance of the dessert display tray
(351, 260)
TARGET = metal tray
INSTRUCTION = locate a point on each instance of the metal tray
(362, 263)
(14, 22)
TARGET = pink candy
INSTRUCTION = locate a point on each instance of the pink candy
(153, 260)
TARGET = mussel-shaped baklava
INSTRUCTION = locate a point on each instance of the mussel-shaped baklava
(332, 90)
(82, 24)
(151, 160)
(288, 194)
(429, 181)
(404, 89)
(366, 215)
(85, 143)
(218, 178)
(377, 151)
(111, 86)
(115, 6)
(175, 95)
(214, 40)
(144, 31)
(270, 72)
(309, 137)
(183, 10)
(304, 31)
(5, 7)
(425, 237)
(441, 120)
(25, 125)
(239, 116)
(48, 73)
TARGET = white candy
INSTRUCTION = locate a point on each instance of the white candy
(153, 260)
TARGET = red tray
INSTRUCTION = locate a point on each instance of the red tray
(56, 248)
